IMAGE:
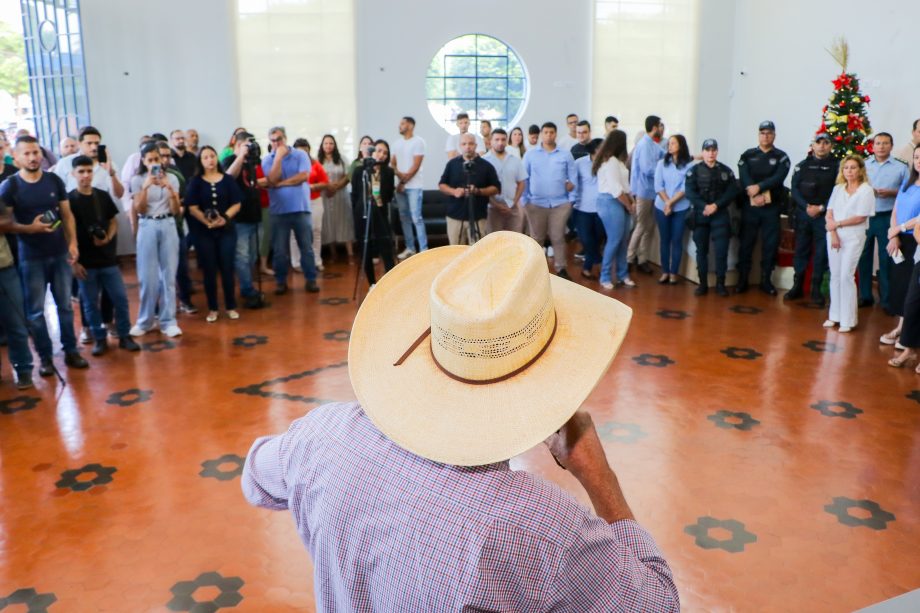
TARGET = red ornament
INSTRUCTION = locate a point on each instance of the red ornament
(842, 104)
(860, 148)
(838, 138)
(866, 99)
(870, 147)
(824, 110)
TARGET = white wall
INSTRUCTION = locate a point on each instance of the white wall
(157, 66)
(396, 39)
(780, 47)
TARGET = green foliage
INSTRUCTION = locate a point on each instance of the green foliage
(13, 70)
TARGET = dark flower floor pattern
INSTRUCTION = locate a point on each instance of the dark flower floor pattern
(821, 346)
(226, 467)
(743, 309)
(736, 543)
(129, 397)
(618, 432)
(651, 359)
(184, 593)
(262, 389)
(337, 335)
(741, 353)
(72, 479)
(877, 520)
(672, 314)
(733, 420)
(827, 408)
(18, 403)
(250, 340)
(30, 598)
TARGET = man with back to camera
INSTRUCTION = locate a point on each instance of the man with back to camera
(710, 187)
(906, 153)
(406, 502)
(762, 171)
(567, 140)
(47, 248)
(813, 181)
(505, 212)
(406, 159)
(95, 219)
(453, 140)
(287, 174)
(645, 158)
(465, 176)
(886, 175)
(583, 136)
(550, 177)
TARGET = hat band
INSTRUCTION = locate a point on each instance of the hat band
(504, 377)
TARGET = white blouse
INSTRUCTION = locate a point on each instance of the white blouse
(860, 203)
(612, 178)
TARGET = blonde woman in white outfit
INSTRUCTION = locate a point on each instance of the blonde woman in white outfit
(852, 203)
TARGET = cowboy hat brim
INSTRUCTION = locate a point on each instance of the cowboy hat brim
(425, 411)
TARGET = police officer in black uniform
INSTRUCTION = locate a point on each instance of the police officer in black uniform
(762, 170)
(812, 183)
(710, 187)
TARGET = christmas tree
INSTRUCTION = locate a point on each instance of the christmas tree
(846, 118)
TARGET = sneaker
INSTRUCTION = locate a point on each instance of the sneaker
(100, 348)
(312, 287)
(320, 267)
(85, 338)
(829, 324)
(564, 274)
(232, 314)
(127, 343)
(24, 380)
(75, 360)
(702, 290)
(281, 290)
(136, 330)
(187, 308)
(549, 252)
(844, 329)
(607, 285)
(212, 317)
(628, 282)
(297, 268)
(46, 368)
(407, 253)
(112, 332)
(579, 256)
(173, 331)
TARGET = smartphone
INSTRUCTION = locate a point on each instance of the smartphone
(102, 156)
(898, 257)
(156, 170)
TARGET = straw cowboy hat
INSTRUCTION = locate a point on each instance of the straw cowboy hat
(472, 355)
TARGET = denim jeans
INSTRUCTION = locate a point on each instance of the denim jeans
(616, 224)
(13, 320)
(107, 279)
(876, 235)
(37, 276)
(217, 253)
(671, 235)
(246, 256)
(282, 226)
(590, 231)
(410, 214)
(157, 261)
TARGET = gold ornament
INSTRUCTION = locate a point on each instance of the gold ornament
(856, 99)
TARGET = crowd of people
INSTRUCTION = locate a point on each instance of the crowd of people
(236, 207)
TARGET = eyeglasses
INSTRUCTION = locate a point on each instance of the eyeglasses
(276, 140)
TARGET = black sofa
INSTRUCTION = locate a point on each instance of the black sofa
(434, 212)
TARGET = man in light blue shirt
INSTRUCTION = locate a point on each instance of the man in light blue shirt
(642, 184)
(287, 172)
(886, 175)
(551, 176)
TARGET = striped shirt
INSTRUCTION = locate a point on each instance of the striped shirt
(391, 531)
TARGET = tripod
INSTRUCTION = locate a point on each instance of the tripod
(367, 197)
(473, 230)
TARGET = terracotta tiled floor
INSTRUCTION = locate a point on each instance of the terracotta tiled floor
(749, 508)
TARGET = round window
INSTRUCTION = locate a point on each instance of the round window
(478, 75)
(48, 36)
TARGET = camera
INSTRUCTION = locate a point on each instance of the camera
(97, 232)
(51, 218)
(211, 215)
(253, 152)
(468, 166)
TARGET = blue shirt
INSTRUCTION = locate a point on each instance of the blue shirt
(890, 174)
(642, 174)
(29, 200)
(291, 199)
(908, 202)
(547, 172)
(584, 196)
(670, 180)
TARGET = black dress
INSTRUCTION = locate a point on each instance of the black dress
(380, 238)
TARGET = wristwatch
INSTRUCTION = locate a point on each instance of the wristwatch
(903, 228)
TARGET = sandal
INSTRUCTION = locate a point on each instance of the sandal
(587, 274)
(899, 362)
(663, 279)
(890, 338)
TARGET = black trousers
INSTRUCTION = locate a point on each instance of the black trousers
(717, 229)
(910, 332)
(899, 274)
(810, 236)
(380, 240)
(763, 220)
(217, 254)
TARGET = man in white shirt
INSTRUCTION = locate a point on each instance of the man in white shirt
(406, 160)
(505, 212)
(567, 141)
(453, 141)
(104, 176)
(533, 137)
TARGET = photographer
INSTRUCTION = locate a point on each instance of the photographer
(96, 269)
(47, 248)
(465, 176)
(381, 181)
(213, 200)
(245, 165)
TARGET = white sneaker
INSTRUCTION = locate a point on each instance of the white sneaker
(628, 282)
(136, 330)
(211, 318)
(607, 285)
(173, 331)
(85, 338)
(549, 251)
(407, 253)
(829, 324)
(233, 314)
(844, 329)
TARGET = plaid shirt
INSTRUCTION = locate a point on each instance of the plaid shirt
(390, 531)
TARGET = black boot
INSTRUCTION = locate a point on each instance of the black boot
(702, 290)
(766, 286)
(817, 298)
(795, 292)
(742, 285)
(720, 287)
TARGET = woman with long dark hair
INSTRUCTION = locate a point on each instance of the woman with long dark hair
(380, 185)
(156, 204)
(213, 200)
(340, 227)
(516, 142)
(364, 144)
(671, 206)
(614, 206)
(904, 290)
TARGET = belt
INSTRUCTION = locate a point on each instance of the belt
(155, 216)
